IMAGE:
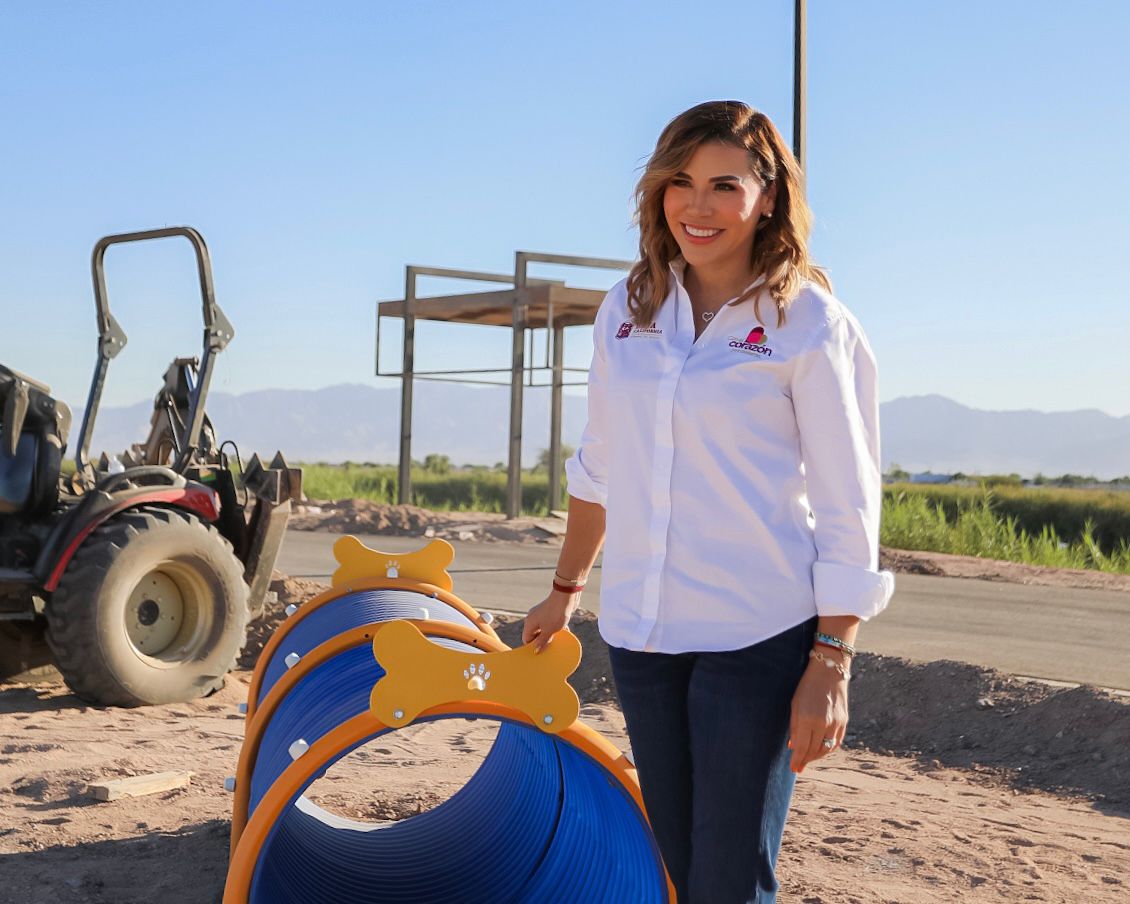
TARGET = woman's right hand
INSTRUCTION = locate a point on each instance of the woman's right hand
(548, 617)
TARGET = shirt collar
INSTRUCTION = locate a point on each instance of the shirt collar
(678, 268)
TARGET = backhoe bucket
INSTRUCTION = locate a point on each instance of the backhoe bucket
(274, 488)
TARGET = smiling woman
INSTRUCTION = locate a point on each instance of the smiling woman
(721, 211)
(722, 174)
(730, 466)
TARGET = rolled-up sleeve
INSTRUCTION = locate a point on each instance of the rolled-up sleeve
(835, 397)
(586, 470)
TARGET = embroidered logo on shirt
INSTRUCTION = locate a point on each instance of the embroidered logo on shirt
(753, 344)
(627, 328)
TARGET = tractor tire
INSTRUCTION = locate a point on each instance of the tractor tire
(151, 609)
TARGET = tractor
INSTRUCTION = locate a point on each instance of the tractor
(135, 574)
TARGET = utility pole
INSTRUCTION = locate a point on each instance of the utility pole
(800, 81)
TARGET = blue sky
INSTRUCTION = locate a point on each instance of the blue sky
(967, 168)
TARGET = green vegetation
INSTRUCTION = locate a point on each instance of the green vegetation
(446, 489)
(437, 484)
(1065, 511)
(974, 526)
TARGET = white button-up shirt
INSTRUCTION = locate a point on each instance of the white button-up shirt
(739, 472)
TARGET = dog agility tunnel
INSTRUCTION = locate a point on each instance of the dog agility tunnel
(553, 813)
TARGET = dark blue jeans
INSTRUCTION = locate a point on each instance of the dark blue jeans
(709, 735)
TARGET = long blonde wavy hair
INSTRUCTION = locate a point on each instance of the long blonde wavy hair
(780, 245)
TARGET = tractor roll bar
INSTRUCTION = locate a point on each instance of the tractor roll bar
(218, 332)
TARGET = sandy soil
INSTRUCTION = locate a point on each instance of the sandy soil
(955, 782)
(865, 827)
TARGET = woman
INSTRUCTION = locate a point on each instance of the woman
(731, 457)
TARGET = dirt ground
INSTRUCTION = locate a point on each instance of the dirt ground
(866, 825)
(956, 782)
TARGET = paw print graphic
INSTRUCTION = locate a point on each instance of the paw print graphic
(392, 569)
(477, 677)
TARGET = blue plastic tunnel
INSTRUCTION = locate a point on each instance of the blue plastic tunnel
(540, 821)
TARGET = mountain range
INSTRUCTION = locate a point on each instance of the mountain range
(353, 422)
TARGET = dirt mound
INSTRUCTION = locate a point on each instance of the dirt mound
(902, 562)
(361, 516)
(1074, 740)
(288, 590)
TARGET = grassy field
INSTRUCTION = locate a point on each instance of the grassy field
(1077, 516)
(977, 527)
(464, 490)
(1064, 528)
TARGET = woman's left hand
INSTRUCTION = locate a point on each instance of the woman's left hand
(819, 711)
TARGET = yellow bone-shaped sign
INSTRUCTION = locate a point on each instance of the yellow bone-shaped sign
(358, 562)
(420, 674)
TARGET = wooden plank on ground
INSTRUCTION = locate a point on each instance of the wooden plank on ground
(138, 785)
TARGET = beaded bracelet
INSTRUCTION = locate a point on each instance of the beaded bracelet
(832, 646)
(831, 641)
(820, 657)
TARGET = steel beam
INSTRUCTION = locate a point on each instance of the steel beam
(404, 473)
(517, 368)
(800, 82)
(555, 418)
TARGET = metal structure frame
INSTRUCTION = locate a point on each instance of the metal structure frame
(574, 307)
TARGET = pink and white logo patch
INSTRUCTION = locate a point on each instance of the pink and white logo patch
(625, 330)
(753, 344)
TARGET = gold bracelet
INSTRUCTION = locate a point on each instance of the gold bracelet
(579, 581)
(830, 663)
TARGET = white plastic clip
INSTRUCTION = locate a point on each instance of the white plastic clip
(229, 784)
(243, 709)
(291, 660)
(488, 617)
(290, 610)
(298, 748)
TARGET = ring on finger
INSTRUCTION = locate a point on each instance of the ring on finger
(829, 743)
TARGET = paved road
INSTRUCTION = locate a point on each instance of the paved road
(1063, 634)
